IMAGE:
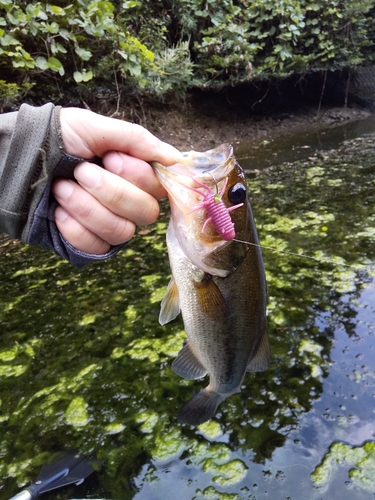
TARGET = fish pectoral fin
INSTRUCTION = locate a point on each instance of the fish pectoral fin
(170, 305)
(187, 364)
(261, 360)
(211, 299)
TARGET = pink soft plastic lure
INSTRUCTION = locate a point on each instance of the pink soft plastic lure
(217, 212)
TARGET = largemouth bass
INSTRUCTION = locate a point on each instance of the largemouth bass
(217, 283)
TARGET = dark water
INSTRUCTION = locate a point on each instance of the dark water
(85, 365)
(297, 146)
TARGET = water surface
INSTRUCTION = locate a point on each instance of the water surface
(85, 365)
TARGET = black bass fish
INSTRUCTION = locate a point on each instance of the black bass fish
(217, 283)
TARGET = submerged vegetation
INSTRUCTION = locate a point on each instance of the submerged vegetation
(161, 48)
(85, 365)
(362, 457)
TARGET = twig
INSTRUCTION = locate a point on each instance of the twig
(321, 95)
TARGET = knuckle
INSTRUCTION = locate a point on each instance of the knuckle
(139, 132)
(121, 231)
(117, 196)
(85, 209)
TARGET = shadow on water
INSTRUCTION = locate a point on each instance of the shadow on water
(85, 365)
(298, 146)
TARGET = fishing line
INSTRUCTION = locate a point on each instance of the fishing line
(214, 179)
(288, 253)
(263, 246)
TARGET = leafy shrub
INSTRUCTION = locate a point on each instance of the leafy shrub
(162, 47)
(11, 93)
(87, 40)
(263, 38)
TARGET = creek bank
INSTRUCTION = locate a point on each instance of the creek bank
(205, 123)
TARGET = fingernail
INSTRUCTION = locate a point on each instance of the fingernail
(63, 189)
(60, 214)
(88, 175)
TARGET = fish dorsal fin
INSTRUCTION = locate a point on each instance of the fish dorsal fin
(170, 305)
(211, 299)
(187, 365)
(261, 360)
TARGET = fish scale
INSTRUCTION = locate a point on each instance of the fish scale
(219, 286)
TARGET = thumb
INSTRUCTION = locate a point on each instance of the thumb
(89, 134)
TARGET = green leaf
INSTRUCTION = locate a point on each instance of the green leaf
(87, 76)
(58, 11)
(7, 40)
(60, 48)
(84, 76)
(315, 7)
(15, 20)
(53, 28)
(84, 54)
(78, 77)
(41, 63)
(55, 65)
(130, 5)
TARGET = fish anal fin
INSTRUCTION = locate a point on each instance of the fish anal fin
(200, 408)
(261, 360)
(187, 365)
(170, 305)
(211, 299)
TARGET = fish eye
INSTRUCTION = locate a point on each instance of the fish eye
(237, 193)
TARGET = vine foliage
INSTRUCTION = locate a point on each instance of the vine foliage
(161, 48)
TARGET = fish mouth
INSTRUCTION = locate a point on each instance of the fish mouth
(193, 164)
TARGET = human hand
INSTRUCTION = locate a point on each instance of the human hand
(106, 205)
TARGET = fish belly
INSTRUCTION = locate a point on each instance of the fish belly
(225, 337)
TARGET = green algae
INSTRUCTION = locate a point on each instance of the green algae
(148, 420)
(77, 414)
(168, 446)
(84, 363)
(211, 493)
(211, 429)
(226, 474)
(340, 454)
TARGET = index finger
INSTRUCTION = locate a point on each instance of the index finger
(89, 134)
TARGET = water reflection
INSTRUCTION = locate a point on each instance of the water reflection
(299, 146)
(84, 363)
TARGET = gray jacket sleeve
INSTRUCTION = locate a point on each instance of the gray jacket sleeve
(31, 156)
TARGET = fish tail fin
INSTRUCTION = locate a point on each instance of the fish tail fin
(200, 408)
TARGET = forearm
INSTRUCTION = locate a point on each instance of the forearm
(28, 152)
(31, 156)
